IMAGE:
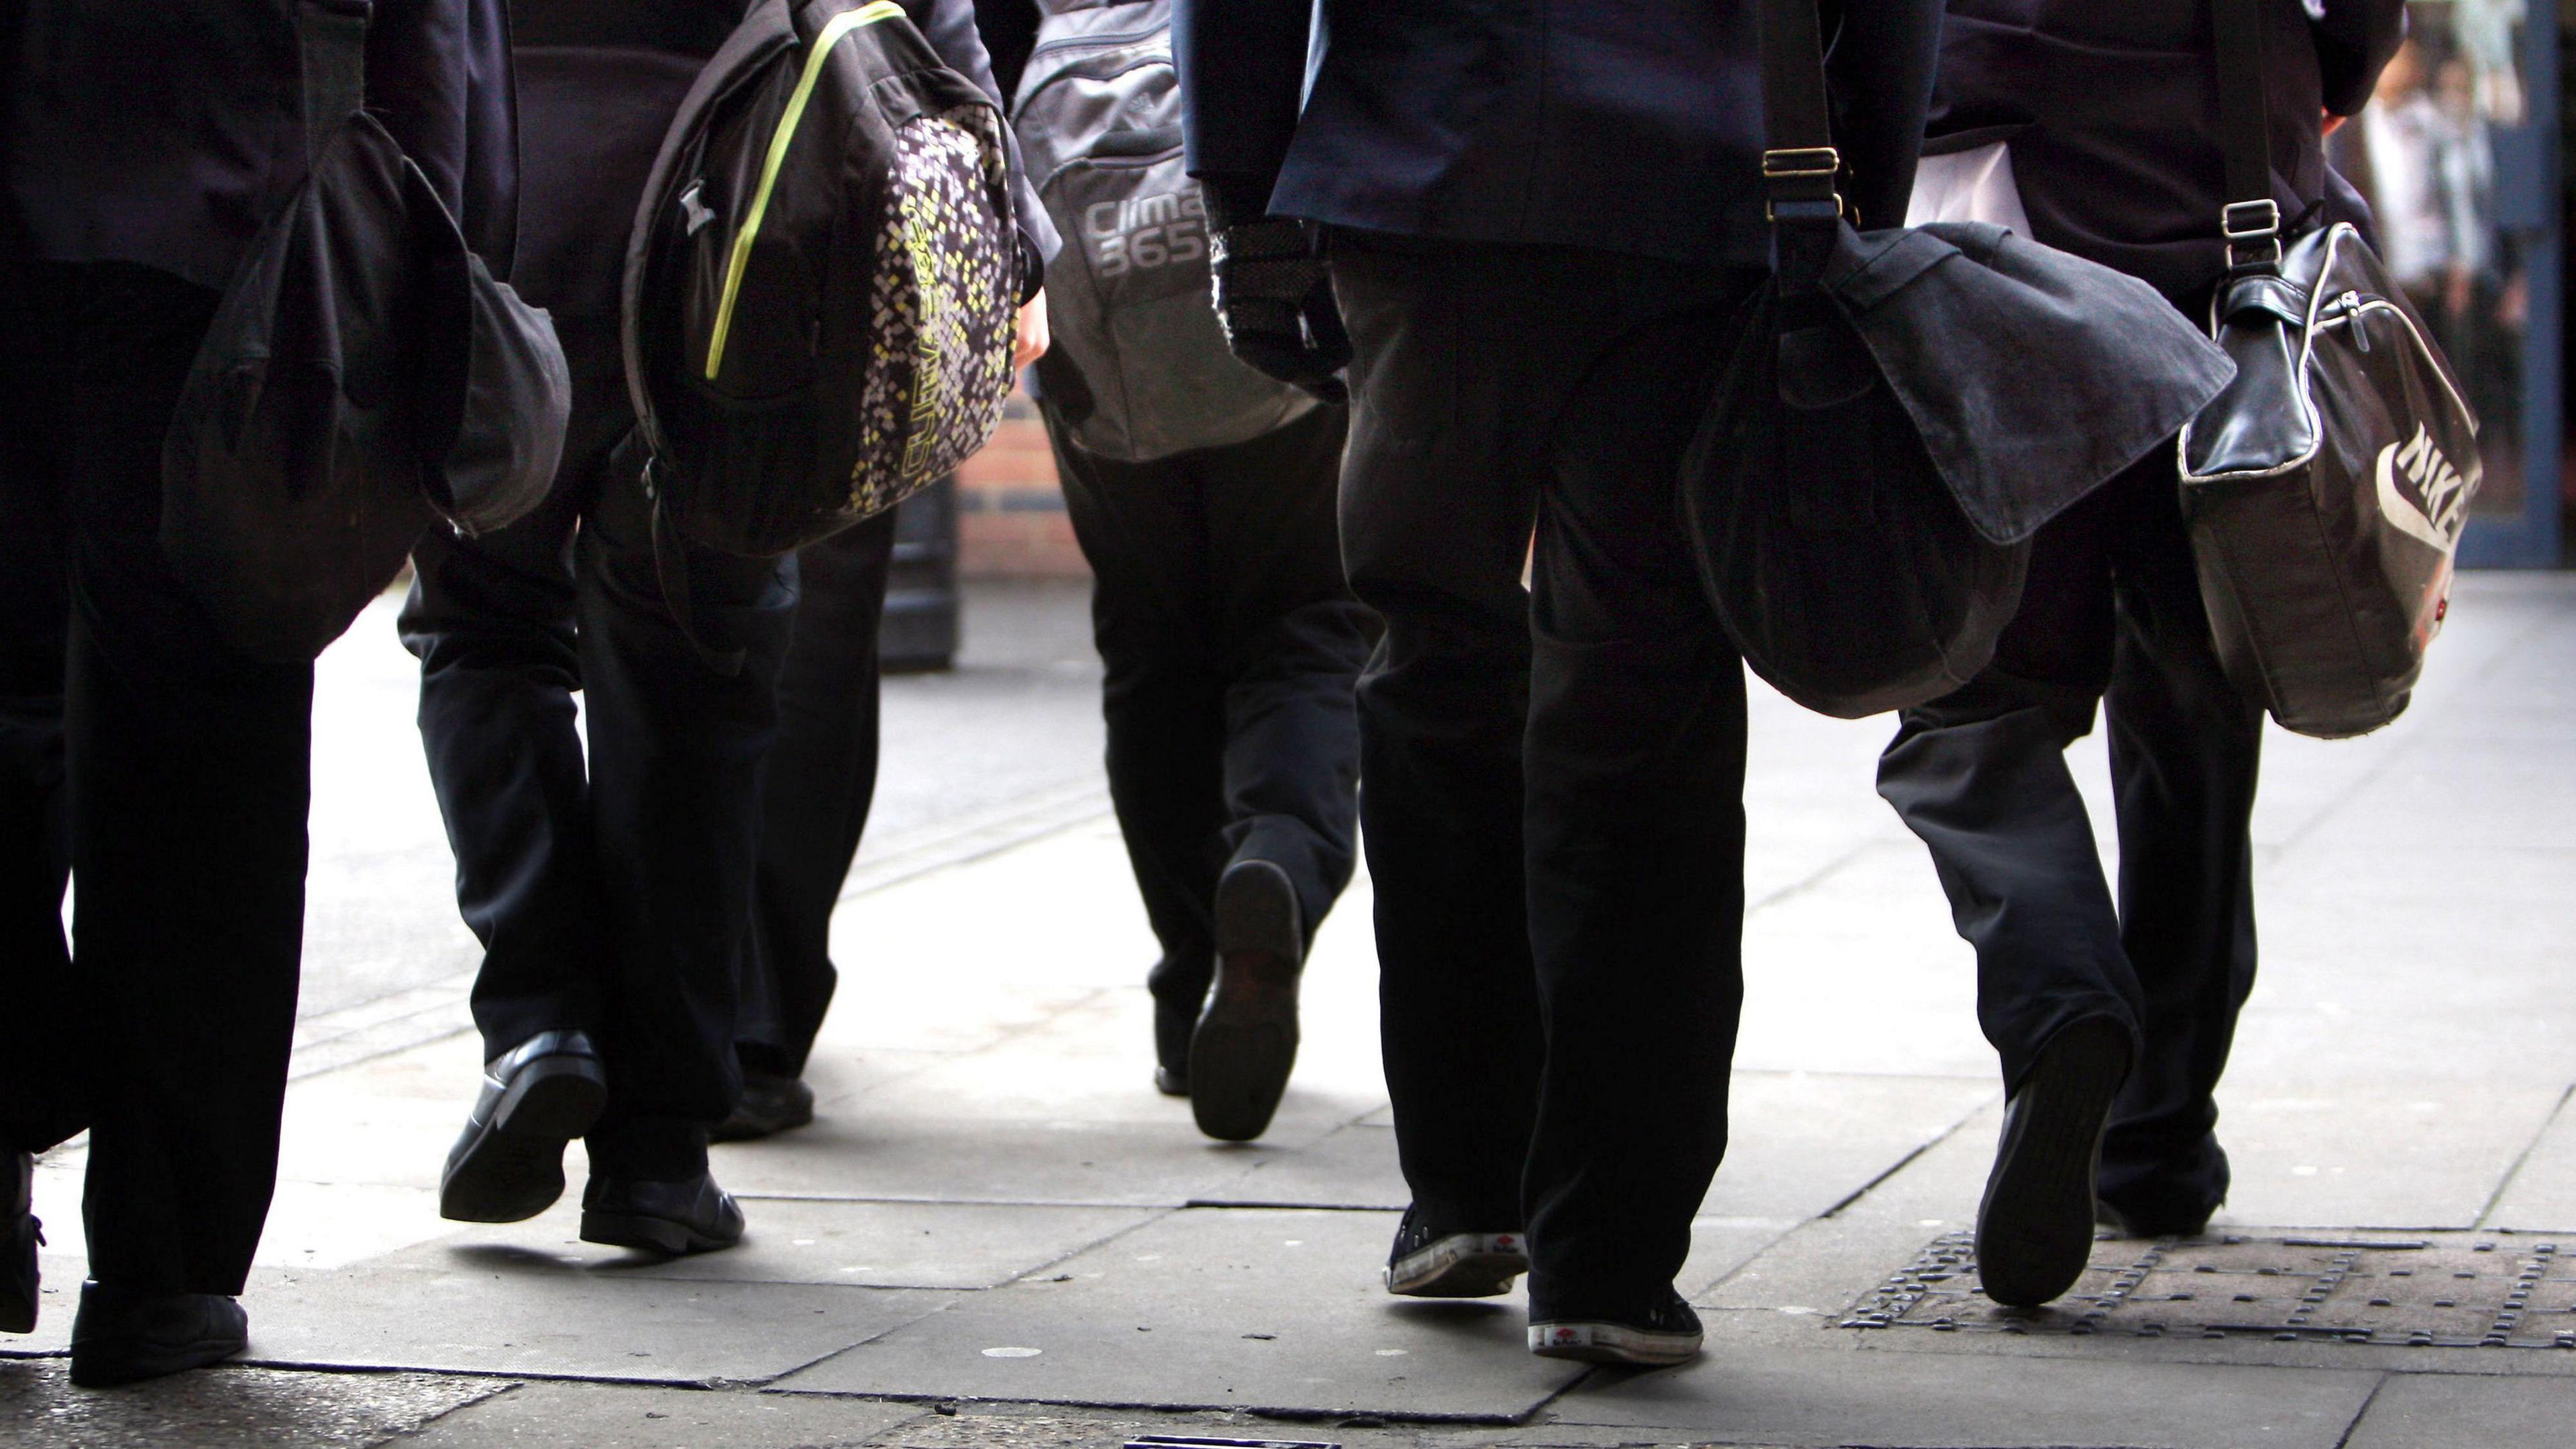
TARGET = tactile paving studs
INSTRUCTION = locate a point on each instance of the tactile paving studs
(2438, 1291)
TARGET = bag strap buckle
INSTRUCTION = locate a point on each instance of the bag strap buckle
(2253, 232)
(1800, 182)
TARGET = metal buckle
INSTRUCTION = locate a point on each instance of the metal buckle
(1801, 161)
(2244, 222)
(1801, 168)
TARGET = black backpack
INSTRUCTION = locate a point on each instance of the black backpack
(363, 379)
(1138, 367)
(821, 282)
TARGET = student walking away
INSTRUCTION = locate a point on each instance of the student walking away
(2104, 1011)
(613, 887)
(1202, 493)
(1535, 297)
(140, 753)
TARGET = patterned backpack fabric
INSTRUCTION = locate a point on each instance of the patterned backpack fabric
(821, 281)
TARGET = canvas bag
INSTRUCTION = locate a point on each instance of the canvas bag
(821, 283)
(1893, 422)
(2326, 489)
(1138, 368)
(364, 378)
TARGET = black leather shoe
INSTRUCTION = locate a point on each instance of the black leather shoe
(2035, 1227)
(660, 1217)
(1246, 1042)
(122, 1338)
(536, 1097)
(770, 1104)
(1433, 1262)
(20, 1234)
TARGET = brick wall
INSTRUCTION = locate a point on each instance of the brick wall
(1011, 522)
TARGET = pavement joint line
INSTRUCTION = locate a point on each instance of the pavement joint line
(2363, 1412)
(2495, 1199)
(1275, 1413)
(1902, 1163)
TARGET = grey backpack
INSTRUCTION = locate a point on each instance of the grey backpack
(1138, 368)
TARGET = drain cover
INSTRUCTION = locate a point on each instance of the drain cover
(2441, 1291)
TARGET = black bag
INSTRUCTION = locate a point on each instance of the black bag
(821, 282)
(364, 377)
(2326, 488)
(1901, 411)
(1138, 368)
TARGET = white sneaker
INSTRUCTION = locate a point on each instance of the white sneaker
(1667, 1336)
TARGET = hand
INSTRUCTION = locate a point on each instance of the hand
(1274, 298)
(1029, 337)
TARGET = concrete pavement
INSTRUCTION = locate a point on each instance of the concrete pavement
(997, 1234)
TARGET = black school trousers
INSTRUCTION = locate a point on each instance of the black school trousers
(1553, 807)
(165, 773)
(2111, 618)
(611, 886)
(1230, 643)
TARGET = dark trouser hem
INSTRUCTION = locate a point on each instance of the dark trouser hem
(1231, 644)
(647, 1149)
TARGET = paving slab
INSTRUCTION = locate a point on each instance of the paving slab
(604, 1416)
(1860, 972)
(1094, 1062)
(828, 1241)
(867, 1155)
(2542, 1195)
(2408, 1155)
(1900, 1401)
(2440, 1411)
(1798, 1143)
(1216, 1308)
(502, 1311)
(226, 1408)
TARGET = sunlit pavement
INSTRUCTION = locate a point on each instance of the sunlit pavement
(998, 1234)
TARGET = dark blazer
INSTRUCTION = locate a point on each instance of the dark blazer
(167, 132)
(1624, 125)
(2112, 114)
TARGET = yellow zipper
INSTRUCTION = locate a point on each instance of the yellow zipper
(833, 31)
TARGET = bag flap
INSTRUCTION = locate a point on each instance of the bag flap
(2034, 376)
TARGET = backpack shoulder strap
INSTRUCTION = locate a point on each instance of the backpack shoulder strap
(331, 45)
(2251, 219)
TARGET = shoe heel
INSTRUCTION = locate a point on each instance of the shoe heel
(629, 1230)
(553, 1098)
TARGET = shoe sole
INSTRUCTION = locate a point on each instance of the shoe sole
(87, 1374)
(1612, 1343)
(512, 1169)
(1461, 1265)
(1171, 1083)
(1246, 1042)
(2035, 1224)
(648, 1234)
